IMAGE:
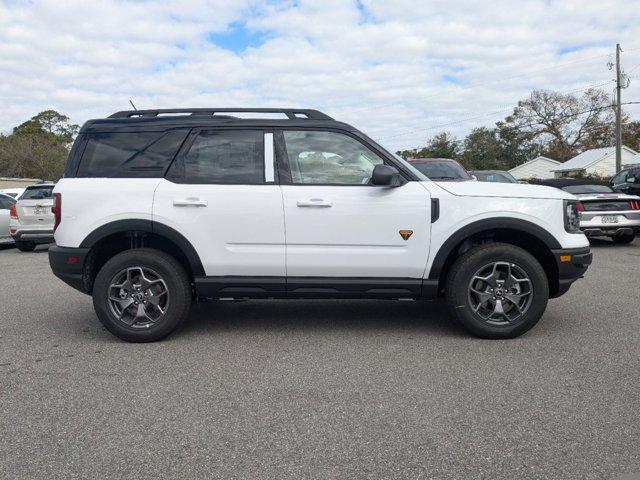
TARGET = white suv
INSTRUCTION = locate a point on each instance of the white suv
(159, 207)
(31, 221)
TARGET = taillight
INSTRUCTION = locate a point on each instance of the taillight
(580, 207)
(635, 205)
(13, 212)
(57, 209)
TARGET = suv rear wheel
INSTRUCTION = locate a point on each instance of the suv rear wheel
(497, 291)
(142, 295)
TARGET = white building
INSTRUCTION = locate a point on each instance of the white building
(539, 167)
(600, 162)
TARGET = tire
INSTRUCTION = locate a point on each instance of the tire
(477, 263)
(623, 239)
(25, 246)
(161, 272)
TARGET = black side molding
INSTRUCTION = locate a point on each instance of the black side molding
(435, 209)
(307, 287)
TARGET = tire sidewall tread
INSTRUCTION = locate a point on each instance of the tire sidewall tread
(456, 289)
(169, 269)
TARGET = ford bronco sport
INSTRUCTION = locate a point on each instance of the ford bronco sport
(160, 207)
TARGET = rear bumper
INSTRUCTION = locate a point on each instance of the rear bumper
(35, 236)
(627, 223)
(610, 231)
(67, 264)
(572, 264)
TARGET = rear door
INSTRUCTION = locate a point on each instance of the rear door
(337, 223)
(34, 206)
(221, 195)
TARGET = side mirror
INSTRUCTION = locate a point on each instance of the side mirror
(386, 175)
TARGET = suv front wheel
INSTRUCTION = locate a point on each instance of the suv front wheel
(142, 295)
(497, 291)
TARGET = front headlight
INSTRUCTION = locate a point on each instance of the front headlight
(571, 216)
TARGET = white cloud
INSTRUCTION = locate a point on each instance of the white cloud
(398, 70)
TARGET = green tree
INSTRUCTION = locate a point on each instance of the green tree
(631, 135)
(482, 150)
(442, 145)
(37, 148)
(51, 124)
(565, 124)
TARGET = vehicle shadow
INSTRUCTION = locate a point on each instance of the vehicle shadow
(597, 242)
(424, 317)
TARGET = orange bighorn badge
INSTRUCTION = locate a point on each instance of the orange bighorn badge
(405, 234)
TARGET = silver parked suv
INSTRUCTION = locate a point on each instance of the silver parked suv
(31, 220)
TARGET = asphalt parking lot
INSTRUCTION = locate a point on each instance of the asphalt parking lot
(321, 389)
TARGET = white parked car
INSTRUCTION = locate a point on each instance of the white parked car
(13, 192)
(6, 202)
(31, 220)
(157, 209)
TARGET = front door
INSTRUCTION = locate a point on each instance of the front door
(338, 225)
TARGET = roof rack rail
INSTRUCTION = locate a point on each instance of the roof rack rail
(291, 113)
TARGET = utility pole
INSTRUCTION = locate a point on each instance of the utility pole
(618, 112)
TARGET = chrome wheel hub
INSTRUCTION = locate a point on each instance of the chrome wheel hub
(138, 297)
(500, 293)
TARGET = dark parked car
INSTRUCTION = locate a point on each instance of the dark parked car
(627, 181)
(441, 169)
(498, 176)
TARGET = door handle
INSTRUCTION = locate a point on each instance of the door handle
(189, 202)
(315, 202)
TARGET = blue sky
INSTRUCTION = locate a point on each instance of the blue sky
(236, 38)
(402, 70)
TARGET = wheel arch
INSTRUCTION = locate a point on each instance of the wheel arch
(120, 235)
(522, 233)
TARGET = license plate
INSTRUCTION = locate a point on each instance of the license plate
(39, 210)
(609, 219)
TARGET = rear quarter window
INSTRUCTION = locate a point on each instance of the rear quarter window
(129, 154)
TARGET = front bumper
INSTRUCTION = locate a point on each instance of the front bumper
(572, 264)
(68, 265)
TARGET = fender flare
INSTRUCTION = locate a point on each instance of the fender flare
(141, 225)
(489, 224)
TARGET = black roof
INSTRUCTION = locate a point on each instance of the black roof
(567, 182)
(162, 119)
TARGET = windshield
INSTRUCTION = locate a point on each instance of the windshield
(442, 170)
(500, 177)
(37, 193)
(587, 189)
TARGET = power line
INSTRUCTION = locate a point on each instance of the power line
(498, 80)
(577, 114)
(464, 120)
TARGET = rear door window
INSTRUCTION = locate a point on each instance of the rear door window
(222, 157)
(131, 154)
